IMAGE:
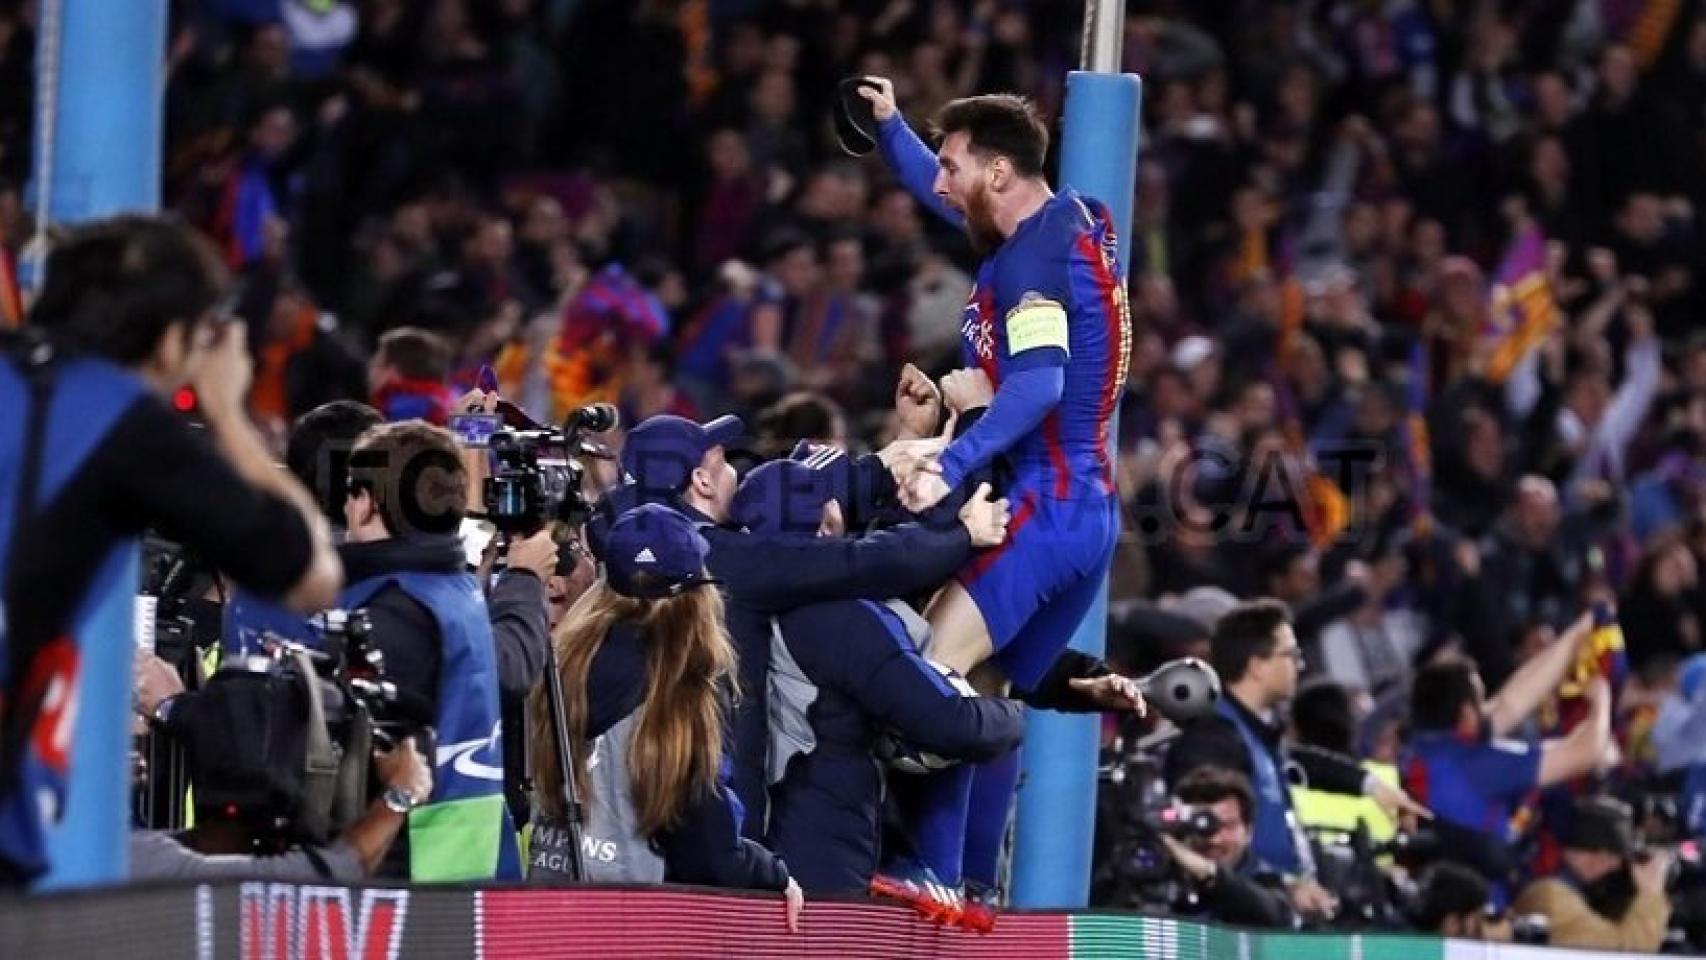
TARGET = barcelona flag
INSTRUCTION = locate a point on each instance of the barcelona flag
(1325, 509)
(1520, 310)
(1605, 655)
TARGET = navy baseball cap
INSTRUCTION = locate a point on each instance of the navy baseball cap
(661, 452)
(653, 552)
(787, 496)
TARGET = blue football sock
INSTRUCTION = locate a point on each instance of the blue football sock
(992, 794)
(935, 812)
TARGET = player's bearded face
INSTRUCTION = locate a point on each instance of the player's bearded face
(980, 218)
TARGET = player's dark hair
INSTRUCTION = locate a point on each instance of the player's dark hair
(319, 450)
(1440, 693)
(1206, 785)
(1243, 634)
(999, 124)
(114, 287)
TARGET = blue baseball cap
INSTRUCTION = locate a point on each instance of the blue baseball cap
(661, 452)
(787, 496)
(653, 552)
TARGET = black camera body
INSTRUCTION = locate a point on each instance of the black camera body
(1132, 868)
(280, 742)
(536, 476)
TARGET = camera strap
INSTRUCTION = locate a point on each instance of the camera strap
(320, 763)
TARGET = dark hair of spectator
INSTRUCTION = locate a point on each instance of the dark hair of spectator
(1449, 890)
(1277, 560)
(114, 287)
(999, 124)
(318, 452)
(417, 354)
(797, 416)
(1321, 712)
(1243, 634)
(414, 472)
(1206, 785)
(1441, 692)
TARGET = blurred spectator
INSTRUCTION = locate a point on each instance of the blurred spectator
(1609, 896)
(408, 376)
(1460, 765)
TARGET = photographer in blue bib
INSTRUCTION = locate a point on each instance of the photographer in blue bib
(1257, 656)
(402, 503)
(648, 674)
(91, 455)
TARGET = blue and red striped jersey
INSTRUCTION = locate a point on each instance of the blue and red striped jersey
(1066, 254)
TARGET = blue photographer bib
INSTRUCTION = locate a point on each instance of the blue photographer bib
(76, 682)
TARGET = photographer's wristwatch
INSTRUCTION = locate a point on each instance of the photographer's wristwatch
(399, 801)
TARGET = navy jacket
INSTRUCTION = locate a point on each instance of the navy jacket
(825, 812)
(706, 846)
(765, 577)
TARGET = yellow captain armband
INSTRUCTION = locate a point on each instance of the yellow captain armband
(1036, 322)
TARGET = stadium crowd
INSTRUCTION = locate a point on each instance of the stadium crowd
(1411, 446)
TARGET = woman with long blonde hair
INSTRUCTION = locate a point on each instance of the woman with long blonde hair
(648, 677)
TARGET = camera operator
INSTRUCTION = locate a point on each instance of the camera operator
(647, 672)
(220, 845)
(1459, 764)
(1258, 659)
(131, 311)
(1609, 895)
(1224, 875)
(407, 568)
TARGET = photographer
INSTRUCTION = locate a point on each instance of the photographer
(1453, 902)
(647, 673)
(245, 799)
(130, 313)
(1258, 659)
(407, 568)
(1222, 872)
(1609, 896)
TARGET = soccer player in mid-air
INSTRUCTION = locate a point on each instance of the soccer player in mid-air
(1048, 322)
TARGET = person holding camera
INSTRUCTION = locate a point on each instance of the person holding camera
(1257, 656)
(1224, 877)
(647, 673)
(407, 568)
(218, 847)
(1610, 895)
(132, 311)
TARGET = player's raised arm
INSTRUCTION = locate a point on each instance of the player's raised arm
(908, 156)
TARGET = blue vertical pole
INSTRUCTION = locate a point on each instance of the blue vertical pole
(99, 153)
(1057, 794)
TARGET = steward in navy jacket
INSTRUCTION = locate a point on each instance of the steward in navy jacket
(705, 847)
(843, 674)
(763, 577)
